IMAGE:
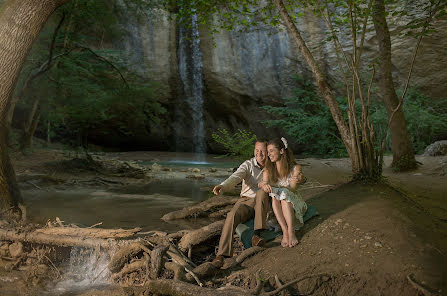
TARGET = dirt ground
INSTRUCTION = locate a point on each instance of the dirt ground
(367, 240)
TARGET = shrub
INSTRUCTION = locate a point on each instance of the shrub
(239, 144)
(308, 121)
(426, 119)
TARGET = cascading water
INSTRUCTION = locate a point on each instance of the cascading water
(190, 71)
(86, 269)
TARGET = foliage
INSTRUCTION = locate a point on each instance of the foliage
(239, 144)
(87, 88)
(307, 120)
(426, 118)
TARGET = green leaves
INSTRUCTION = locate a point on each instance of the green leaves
(307, 120)
(239, 145)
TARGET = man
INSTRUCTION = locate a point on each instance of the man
(253, 202)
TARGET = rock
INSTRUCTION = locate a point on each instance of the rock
(156, 167)
(196, 170)
(212, 170)
(378, 245)
(436, 149)
(16, 249)
(198, 177)
(367, 237)
(338, 221)
(166, 169)
(4, 250)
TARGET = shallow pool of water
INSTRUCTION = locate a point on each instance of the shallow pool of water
(124, 207)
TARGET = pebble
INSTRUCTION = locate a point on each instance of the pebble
(367, 237)
(363, 246)
(213, 170)
(196, 170)
(338, 221)
(378, 245)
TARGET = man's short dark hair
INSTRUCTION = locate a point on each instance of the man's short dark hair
(261, 140)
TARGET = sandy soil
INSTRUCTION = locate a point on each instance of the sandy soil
(367, 240)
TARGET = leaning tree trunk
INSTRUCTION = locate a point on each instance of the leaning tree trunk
(20, 24)
(403, 154)
(346, 134)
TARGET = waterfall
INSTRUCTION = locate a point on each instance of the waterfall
(86, 269)
(190, 71)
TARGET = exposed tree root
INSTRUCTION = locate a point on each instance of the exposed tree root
(125, 254)
(201, 235)
(418, 287)
(202, 208)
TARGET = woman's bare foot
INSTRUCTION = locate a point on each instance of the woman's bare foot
(293, 241)
(285, 241)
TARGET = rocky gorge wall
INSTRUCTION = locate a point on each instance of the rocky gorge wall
(243, 71)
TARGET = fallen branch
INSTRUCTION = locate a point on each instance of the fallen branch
(59, 240)
(194, 276)
(89, 232)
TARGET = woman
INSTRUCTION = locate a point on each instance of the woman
(280, 179)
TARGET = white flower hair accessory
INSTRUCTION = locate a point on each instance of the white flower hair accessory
(284, 141)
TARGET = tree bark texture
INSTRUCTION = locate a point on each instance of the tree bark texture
(20, 24)
(323, 86)
(403, 154)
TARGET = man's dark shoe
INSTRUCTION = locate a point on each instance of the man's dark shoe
(257, 241)
(218, 262)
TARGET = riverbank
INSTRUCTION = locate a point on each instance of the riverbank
(367, 240)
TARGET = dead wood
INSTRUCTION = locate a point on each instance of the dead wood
(200, 235)
(179, 271)
(176, 288)
(129, 268)
(157, 260)
(203, 271)
(89, 232)
(59, 240)
(178, 257)
(202, 208)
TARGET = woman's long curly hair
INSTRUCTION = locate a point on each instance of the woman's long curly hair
(287, 161)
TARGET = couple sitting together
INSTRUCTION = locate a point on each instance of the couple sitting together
(271, 174)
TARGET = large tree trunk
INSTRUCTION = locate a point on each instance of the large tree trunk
(403, 155)
(328, 95)
(20, 24)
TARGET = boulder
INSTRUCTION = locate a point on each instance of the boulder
(436, 149)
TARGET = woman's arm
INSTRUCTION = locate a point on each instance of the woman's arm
(297, 177)
(264, 185)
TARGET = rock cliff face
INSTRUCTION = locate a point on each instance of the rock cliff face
(244, 71)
